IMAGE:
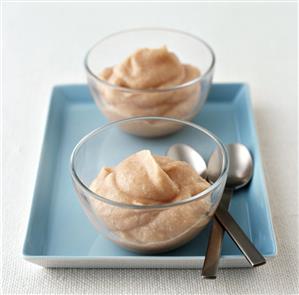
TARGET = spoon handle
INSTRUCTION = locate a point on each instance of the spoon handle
(254, 257)
(213, 253)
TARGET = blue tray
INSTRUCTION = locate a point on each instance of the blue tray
(60, 235)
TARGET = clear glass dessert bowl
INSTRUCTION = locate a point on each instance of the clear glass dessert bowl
(124, 97)
(149, 227)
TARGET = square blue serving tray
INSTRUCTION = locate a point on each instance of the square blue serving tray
(60, 235)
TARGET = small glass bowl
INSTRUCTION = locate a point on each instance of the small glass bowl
(182, 101)
(131, 225)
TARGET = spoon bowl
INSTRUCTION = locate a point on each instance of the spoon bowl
(184, 152)
(240, 166)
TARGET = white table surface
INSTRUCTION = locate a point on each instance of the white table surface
(44, 45)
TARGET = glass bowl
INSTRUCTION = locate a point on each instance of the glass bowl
(182, 101)
(151, 228)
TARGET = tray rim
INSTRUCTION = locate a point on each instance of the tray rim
(257, 147)
(63, 258)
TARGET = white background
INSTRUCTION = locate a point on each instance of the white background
(44, 45)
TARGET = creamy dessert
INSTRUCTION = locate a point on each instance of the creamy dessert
(146, 179)
(153, 74)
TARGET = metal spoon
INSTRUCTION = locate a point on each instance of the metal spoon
(240, 173)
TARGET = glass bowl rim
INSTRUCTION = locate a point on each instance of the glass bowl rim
(200, 195)
(151, 90)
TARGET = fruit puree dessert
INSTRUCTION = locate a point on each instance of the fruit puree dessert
(146, 179)
(150, 74)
